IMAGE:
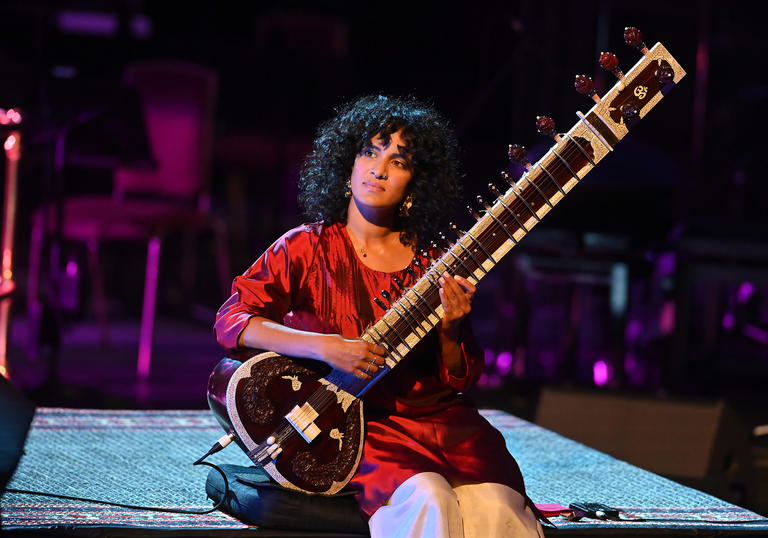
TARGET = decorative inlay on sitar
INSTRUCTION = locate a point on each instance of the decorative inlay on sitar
(305, 428)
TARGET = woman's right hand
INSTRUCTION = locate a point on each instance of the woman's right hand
(353, 356)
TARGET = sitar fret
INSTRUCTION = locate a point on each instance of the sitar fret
(544, 197)
(513, 212)
(478, 265)
(521, 194)
(425, 317)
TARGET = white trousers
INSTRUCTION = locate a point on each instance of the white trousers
(427, 506)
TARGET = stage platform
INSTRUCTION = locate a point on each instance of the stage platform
(145, 458)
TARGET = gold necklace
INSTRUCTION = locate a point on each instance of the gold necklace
(355, 242)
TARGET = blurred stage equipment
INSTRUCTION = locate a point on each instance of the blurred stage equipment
(178, 101)
(700, 443)
(575, 286)
(10, 121)
(722, 317)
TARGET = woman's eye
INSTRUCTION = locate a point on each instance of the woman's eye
(368, 152)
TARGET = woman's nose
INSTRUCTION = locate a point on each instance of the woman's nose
(379, 171)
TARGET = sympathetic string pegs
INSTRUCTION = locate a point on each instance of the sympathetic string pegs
(473, 212)
(494, 189)
(380, 303)
(398, 283)
(387, 296)
(435, 247)
(483, 203)
(455, 229)
(634, 38)
(585, 86)
(610, 62)
(505, 176)
(546, 126)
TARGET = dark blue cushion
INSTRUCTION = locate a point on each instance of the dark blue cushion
(254, 499)
(16, 415)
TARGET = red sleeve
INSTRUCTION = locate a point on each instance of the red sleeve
(471, 355)
(268, 287)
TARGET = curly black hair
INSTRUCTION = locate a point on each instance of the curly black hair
(431, 146)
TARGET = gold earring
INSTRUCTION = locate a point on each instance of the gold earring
(348, 192)
(405, 208)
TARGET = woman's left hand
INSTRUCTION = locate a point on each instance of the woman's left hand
(456, 295)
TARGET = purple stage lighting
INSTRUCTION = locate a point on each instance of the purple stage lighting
(601, 373)
(746, 289)
(504, 363)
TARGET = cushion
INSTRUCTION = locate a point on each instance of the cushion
(254, 499)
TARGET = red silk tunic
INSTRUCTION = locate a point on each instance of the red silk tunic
(416, 418)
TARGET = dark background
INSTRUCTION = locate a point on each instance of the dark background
(679, 210)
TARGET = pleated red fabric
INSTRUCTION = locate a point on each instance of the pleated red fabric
(417, 420)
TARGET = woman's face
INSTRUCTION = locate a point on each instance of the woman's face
(382, 173)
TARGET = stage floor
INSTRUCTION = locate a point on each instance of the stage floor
(145, 458)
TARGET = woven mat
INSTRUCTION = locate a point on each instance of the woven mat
(559, 470)
(144, 458)
(130, 457)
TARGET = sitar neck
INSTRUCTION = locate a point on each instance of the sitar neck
(504, 222)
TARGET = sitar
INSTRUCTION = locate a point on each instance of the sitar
(305, 425)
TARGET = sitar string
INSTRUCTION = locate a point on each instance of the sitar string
(321, 399)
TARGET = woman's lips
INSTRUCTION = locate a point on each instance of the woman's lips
(373, 187)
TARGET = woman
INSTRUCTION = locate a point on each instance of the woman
(380, 181)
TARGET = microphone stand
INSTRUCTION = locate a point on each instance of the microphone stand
(12, 147)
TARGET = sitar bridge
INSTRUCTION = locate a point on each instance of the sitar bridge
(265, 452)
(303, 421)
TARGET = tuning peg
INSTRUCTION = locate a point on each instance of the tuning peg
(665, 74)
(473, 212)
(610, 62)
(629, 111)
(387, 296)
(546, 126)
(585, 86)
(380, 303)
(505, 176)
(444, 240)
(517, 154)
(398, 283)
(483, 203)
(455, 229)
(634, 38)
(494, 189)
(410, 271)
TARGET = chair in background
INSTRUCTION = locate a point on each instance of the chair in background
(178, 102)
